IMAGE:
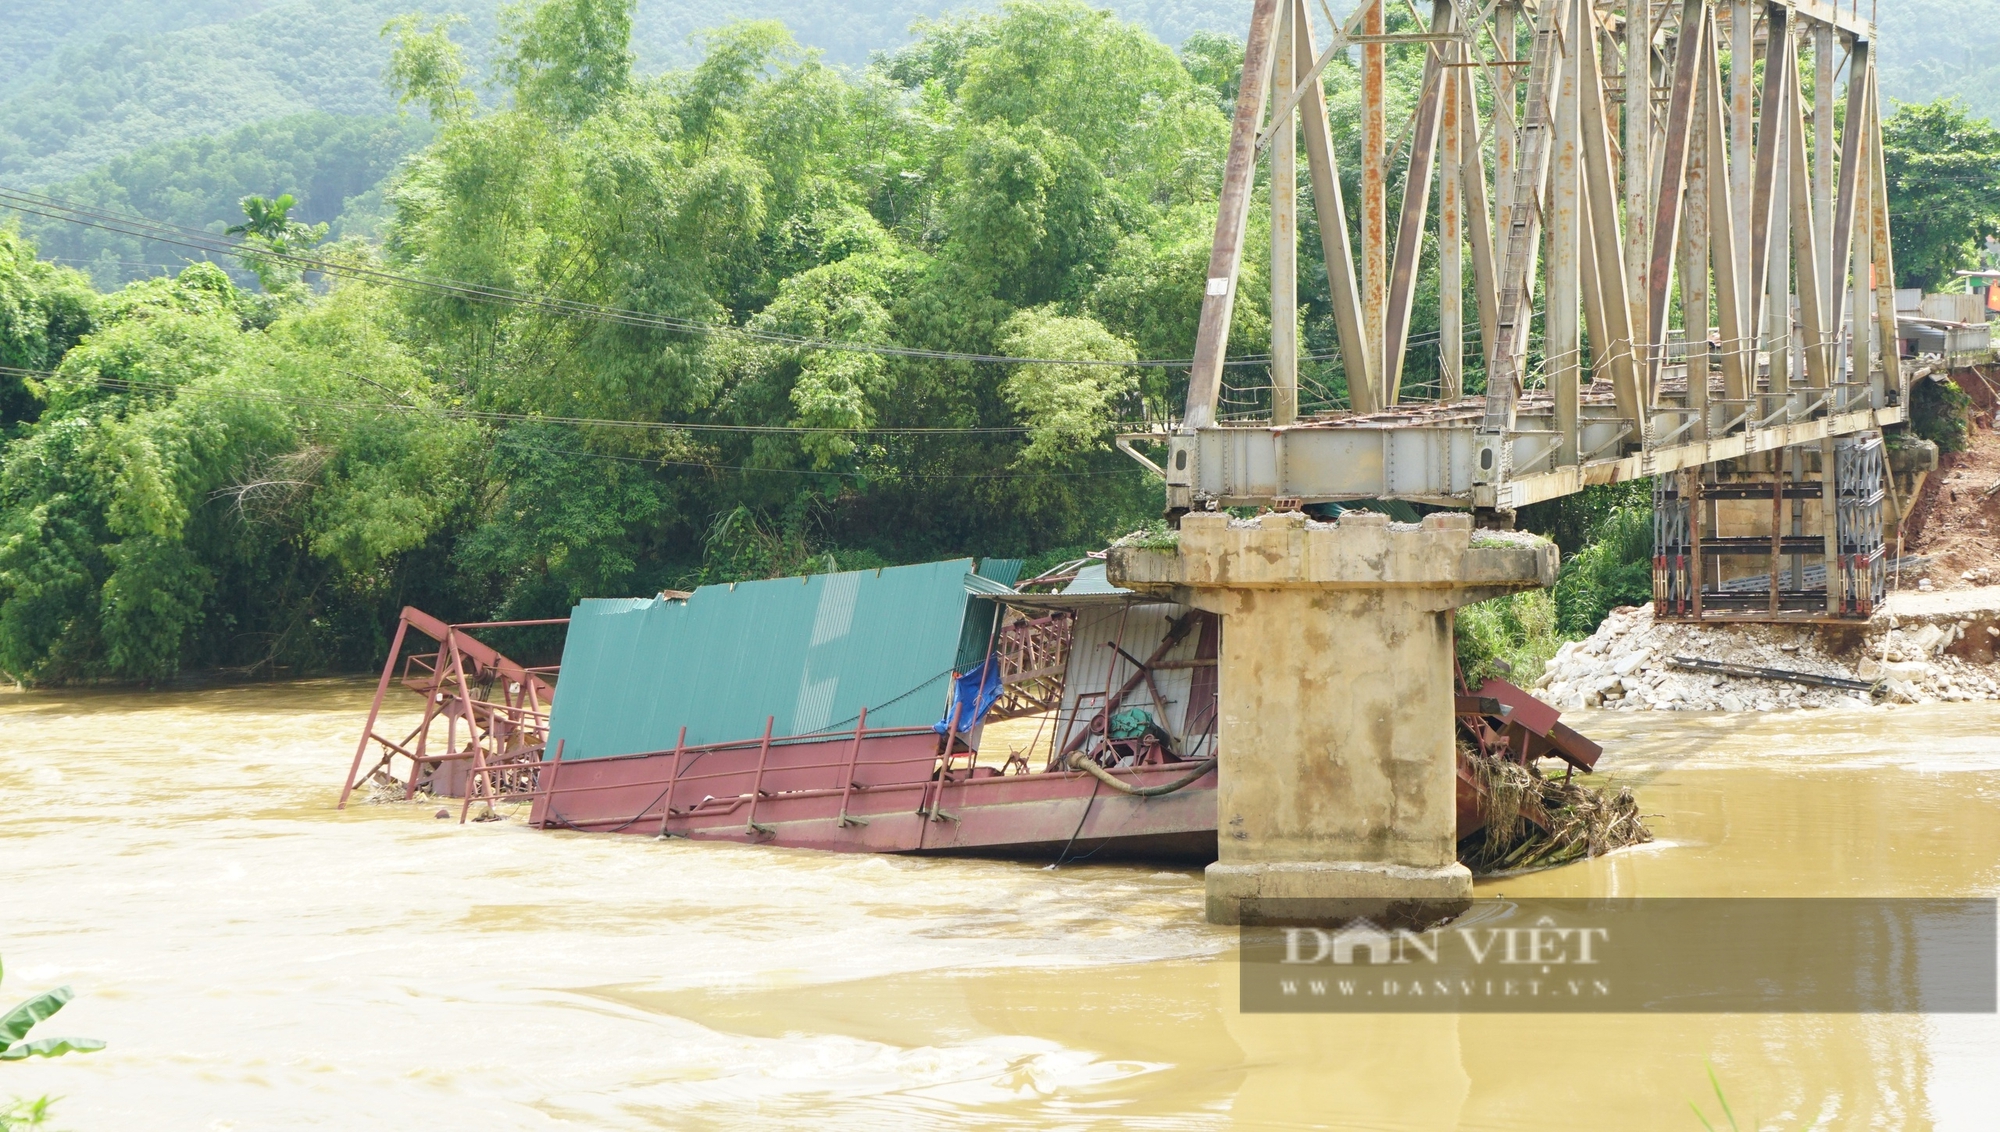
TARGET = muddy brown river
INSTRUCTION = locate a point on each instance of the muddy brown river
(257, 960)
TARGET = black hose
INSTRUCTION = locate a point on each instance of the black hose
(1089, 766)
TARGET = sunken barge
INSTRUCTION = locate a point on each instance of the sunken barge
(852, 712)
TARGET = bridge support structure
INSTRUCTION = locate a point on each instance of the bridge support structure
(1336, 793)
(1678, 256)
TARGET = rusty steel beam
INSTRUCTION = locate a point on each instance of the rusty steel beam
(1225, 258)
(1728, 216)
(1636, 163)
(1860, 65)
(1524, 219)
(1416, 205)
(1359, 357)
(1689, 53)
(1451, 237)
(1375, 195)
(1693, 223)
(1479, 225)
(1825, 72)
(1885, 256)
(1284, 226)
(1741, 119)
(1806, 262)
(1562, 328)
(1506, 100)
(1615, 329)
(1770, 132)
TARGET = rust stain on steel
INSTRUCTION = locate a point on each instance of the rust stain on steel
(1359, 357)
(1232, 218)
(1374, 192)
(1416, 202)
(502, 705)
(1688, 54)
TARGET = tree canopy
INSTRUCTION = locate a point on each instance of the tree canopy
(1943, 167)
(221, 476)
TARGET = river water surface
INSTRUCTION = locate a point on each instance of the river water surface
(258, 960)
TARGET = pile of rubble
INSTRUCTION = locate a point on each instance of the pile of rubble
(1626, 664)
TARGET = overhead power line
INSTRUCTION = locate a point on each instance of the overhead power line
(509, 441)
(486, 416)
(36, 204)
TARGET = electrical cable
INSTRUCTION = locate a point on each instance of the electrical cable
(53, 208)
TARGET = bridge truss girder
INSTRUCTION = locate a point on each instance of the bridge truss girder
(1723, 196)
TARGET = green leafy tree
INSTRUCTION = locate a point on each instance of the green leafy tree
(44, 310)
(567, 57)
(426, 66)
(271, 234)
(1068, 408)
(1943, 167)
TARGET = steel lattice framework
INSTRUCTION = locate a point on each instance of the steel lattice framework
(1648, 191)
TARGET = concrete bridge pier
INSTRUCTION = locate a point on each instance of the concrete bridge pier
(1336, 795)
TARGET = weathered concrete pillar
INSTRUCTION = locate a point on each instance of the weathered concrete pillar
(1337, 783)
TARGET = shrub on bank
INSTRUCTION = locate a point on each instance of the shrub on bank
(1514, 637)
(1940, 413)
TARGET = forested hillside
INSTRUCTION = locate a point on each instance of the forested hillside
(335, 166)
(1942, 48)
(177, 108)
(221, 477)
(579, 345)
(81, 84)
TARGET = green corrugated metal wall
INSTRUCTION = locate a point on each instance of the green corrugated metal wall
(810, 651)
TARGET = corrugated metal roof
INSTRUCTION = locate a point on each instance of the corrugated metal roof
(1091, 581)
(810, 651)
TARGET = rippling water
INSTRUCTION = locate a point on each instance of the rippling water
(258, 960)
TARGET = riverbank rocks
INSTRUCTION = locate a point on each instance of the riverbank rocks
(1918, 658)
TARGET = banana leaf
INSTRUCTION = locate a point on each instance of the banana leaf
(26, 1016)
(49, 1047)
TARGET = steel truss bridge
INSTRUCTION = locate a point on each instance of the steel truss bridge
(1679, 206)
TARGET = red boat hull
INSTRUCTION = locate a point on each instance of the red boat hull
(878, 794)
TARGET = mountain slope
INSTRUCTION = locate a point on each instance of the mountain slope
(81, 84)
(332, 164)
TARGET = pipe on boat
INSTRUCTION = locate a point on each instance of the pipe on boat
(1077, 761)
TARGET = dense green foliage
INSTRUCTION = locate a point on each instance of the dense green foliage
(223, 478)
(1510, 637)
(1940, 412)
(1615, 569)
(334, 166)
(1933, 49)
(1605, 537)
(1943, 167)
(84, 83)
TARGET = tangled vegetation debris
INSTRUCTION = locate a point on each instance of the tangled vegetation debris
(1535, 822)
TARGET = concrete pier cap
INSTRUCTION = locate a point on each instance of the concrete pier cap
(1336, 791)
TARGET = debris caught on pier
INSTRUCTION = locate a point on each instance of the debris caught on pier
(1512, 817)
(1537, 822)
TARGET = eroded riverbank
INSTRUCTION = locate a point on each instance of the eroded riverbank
(258, 960)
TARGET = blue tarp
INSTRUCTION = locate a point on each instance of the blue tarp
(972, 696)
